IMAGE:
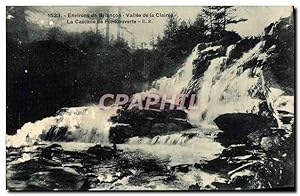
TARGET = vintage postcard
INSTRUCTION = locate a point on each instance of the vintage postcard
(150, 98)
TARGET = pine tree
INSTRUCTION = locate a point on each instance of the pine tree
(217, 19)
(152, 41)
(227, 16)
(54, 33)
(16, 22)
(172, 27)
(133, 43)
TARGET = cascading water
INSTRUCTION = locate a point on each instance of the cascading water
(91, 124)
(178, 146)
(225, 88)
(229, 90)
(175, 84)
(82, 124)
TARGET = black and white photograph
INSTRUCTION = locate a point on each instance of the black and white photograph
(150, 98)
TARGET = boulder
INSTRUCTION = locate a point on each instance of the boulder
(241, 180)
(50, 162)
(241, 123)
(286, 117)
(228, 38)
(255, 137)
(275, 134)
(181, 168)
(235, 150)
(237, 126)
(222, 186)
(102, 152)
(131, 123)
(194, 187)
(267, 143)
(219, 165)
(271, 143)
(129, 116)
(63, 179)
(52, 150)
(120, 132)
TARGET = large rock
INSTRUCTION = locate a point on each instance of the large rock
(242, 123)
(63, 179)
(120, 132)
(280, 45)
(52, 150)
(184, 168)
(271, 143)
(55, 133)
(235, 150)
(130, 123)
(242, 46)
(276, 134)
(205, 56)
(194, 187)
(237, 126)
(102, 152)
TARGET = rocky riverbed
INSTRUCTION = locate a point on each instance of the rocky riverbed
(194, 159)
(137, 165)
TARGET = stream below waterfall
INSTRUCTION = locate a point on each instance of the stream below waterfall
(167, 159)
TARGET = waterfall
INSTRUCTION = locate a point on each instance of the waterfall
(91, 124)
(180, 80)
(225, 87)
(229, 88)
(182, 148)
(82, 124)
(182, 138)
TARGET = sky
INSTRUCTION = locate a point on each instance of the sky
(258, 19)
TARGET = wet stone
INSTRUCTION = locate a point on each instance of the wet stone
(56, 179)
(102, 152)
(181, 168)
(194, 187)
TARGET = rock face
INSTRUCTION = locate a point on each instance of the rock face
(260, 159)
(236, 126)
(247, 167)
(55, 133)
(258, 153)
(242, 123)
(202, 62)
(119, 133)
(241, 46)
(130, 123)
(280, 46)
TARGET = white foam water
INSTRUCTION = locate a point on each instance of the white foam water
(180, 80)
(84, 124)
(186, 147)
(229, 90)
(225, 88)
